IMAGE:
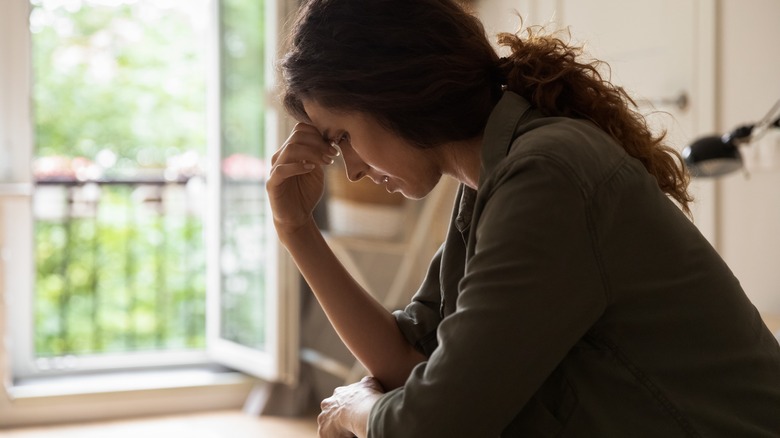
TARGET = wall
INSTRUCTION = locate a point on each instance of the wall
(749, 208)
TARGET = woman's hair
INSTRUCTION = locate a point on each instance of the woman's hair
(425, 70)
(408, 63)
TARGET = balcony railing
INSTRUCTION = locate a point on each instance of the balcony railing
(120, 266)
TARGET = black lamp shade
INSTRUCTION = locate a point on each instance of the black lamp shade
(712, 156)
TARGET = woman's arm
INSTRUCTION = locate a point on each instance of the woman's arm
(363, 324)
(295, 186)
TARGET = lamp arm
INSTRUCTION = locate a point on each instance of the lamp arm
(770, 120)
(713, 156)
(741, 135)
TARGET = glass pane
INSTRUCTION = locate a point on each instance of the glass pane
(120, 114)
(244, 236)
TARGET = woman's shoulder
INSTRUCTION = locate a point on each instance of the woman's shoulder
(577, 146)
(566, 139)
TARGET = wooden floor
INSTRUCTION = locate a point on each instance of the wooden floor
(228, 424)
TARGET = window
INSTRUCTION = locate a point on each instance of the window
(145, 241)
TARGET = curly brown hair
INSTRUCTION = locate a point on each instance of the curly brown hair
(425, 70)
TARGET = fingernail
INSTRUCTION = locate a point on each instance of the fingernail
(334, 151)
(327, 159)
(307, 165)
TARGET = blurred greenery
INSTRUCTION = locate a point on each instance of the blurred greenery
(108, 285)
(243, 95)
(129, 77)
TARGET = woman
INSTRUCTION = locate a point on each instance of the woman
(571, 297)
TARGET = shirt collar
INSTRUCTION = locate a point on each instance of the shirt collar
(502, 125)
(510, 111)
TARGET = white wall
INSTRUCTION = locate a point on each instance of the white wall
(749, 208)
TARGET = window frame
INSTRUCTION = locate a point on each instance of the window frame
(279, 362)
(17, 140)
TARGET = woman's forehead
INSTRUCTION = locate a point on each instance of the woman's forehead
(320, 115)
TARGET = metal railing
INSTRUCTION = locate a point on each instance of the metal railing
(120, 266)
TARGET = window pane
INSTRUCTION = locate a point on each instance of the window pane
(120, 114)
(244, 236)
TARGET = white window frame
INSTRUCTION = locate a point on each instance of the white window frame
(16, 146)
(277, 363)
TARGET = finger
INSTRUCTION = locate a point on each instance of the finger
(308, 134)
(328, 428)
(282, 172)
(322, 428)
(303, 133)
(340, 389)
(299, 151)
(301, 126)
(307, 137)
(301, 154)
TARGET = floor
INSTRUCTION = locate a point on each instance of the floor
(228, 424)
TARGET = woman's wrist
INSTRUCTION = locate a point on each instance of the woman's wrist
(292, 236)
(362, 415)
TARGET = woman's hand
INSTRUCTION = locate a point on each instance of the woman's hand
(297, 180)
(345, 413)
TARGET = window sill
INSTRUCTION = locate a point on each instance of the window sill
(128, 381)
(107, 396)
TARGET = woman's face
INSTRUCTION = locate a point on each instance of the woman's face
(371, 150)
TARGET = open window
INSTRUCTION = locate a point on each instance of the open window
(136, 227)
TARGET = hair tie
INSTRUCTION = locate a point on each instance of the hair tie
(498, 74)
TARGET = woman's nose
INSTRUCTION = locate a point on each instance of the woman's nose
(356, 168)
(355, 176)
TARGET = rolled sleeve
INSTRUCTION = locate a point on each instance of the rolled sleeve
(532, 288)
(420, 319)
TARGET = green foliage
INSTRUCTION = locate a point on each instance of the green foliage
(243, 82)
(131, 79)
(120, 285)
(126, 78)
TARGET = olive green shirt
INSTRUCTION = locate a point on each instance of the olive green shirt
(572, 298)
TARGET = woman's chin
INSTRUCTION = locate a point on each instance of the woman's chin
(408, 194)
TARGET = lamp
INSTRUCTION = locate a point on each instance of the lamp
(714, 156)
